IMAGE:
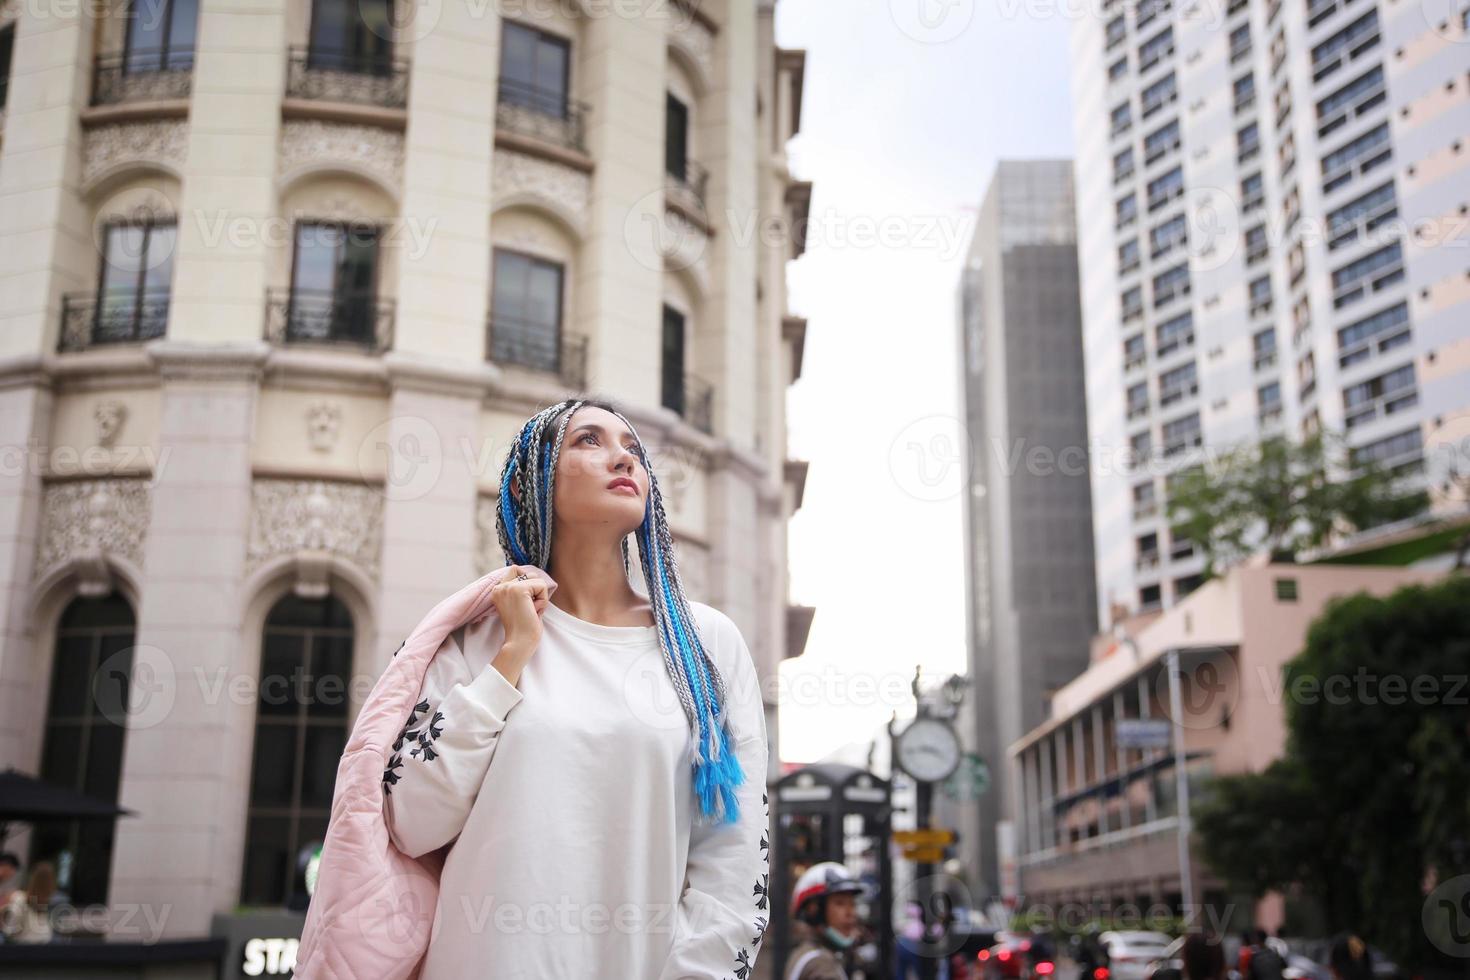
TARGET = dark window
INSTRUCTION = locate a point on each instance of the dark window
(160, 35)
(526, 310)
(300, 731)
(134, 284)
(351, 35)
(535, 69)
(673, 360)
(7, 47)
(676, 137)
(334, 282)
(86, 715)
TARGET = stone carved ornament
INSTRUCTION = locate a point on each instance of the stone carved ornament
(84, 521)
(373, 149)
(109, 417)
(323, 424)
(695, 41)
(518, 175)
(288, 517)
(161, 141)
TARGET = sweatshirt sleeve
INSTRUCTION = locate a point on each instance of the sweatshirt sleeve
(441, 756)
(725, 906)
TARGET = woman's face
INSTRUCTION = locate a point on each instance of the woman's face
(599, 456)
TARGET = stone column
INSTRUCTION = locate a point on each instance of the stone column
(229, 208)
(178, 857)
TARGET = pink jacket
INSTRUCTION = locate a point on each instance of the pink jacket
(373, 905)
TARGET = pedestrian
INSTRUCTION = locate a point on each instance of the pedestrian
(910, 941)
(590, 763)
(1348, 958)
(27, 913)
(1204, 959)
(9, 875)
(824, 909)
(1264, 962)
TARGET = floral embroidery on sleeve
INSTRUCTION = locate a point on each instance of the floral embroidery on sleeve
(745, 955)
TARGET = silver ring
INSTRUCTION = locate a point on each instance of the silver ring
(521, 577)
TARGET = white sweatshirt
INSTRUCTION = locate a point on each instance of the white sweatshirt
(571, 799)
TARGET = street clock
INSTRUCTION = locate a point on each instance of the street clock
(928, 750)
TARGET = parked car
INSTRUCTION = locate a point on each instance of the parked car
(1130, 952)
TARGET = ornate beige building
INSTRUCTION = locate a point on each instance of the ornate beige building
(279, 279)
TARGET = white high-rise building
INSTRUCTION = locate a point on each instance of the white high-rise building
(1272, 229)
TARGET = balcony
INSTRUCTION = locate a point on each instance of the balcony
(320, 317)
(142, 75)
(120, 318)
(529, 344)
(685, 191)
(361, 78)
(692, 399)
(545, 115)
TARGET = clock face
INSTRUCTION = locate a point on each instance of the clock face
(928, 750)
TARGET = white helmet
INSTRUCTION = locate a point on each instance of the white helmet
(823, 879)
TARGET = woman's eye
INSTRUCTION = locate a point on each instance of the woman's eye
(586, 436)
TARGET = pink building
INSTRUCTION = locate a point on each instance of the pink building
(1097, 816)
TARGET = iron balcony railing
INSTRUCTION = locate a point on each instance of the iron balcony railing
(142, 75)
(687, 189)
(527, 343)
(693, 399)
(366, 78)
(324, 317)
(541, 113)
(112, 317)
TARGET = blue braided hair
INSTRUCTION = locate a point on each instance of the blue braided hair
(525, 523)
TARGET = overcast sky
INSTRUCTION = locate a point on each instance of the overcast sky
(908, 105)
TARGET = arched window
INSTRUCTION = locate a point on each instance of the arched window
(300, 730)
(83, 744)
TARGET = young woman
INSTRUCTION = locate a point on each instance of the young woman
(596, 758)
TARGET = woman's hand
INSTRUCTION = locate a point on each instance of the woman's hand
(520, 603)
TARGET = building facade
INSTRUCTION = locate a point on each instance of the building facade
(1272, 205)
(1027, 512)
(279, 282)
(1097, 811)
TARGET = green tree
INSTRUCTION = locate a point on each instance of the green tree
(1283, 497)
(1371, 796)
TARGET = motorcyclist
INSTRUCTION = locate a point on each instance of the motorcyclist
(824, 903)
(1092, 953)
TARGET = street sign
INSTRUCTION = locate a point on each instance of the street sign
(1142, 733)
(924, 855)
(927, 837)
(969, 781)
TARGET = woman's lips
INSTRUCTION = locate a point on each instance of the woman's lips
(626, 488)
